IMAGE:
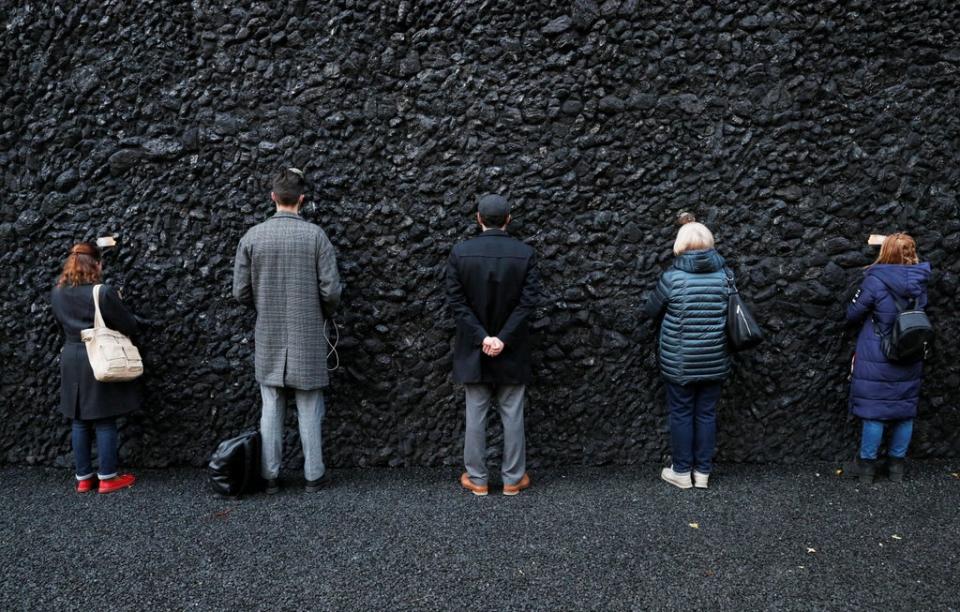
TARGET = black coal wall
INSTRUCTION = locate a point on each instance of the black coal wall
(793, 129)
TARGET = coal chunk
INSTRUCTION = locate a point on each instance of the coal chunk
(66, 179)
(557, 26)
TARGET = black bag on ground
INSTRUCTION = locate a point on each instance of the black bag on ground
(235, 465)
(742, 329)
(910, 338)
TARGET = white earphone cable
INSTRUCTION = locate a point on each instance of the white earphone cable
(332, 345)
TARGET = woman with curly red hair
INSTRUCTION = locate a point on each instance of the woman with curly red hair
(883, 393)
(93, 406)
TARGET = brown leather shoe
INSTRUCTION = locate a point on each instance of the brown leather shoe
(513, 489)
(476, 489)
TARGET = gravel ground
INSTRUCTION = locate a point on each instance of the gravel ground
(762, 537)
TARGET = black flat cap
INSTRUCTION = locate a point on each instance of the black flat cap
(493, 205)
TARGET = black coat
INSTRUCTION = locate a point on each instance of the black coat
(81, 395)
(493, 287)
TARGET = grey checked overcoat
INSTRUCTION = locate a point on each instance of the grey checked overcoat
(286, 268)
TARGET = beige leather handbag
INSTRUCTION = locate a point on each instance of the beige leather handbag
(112, 355)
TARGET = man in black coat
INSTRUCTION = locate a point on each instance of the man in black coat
(493, 287)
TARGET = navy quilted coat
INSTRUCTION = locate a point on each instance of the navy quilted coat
(879, 389)
(692, 299)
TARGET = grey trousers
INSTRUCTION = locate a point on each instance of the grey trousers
(510, 406)
(310, 411)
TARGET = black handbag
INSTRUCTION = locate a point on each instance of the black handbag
(742, 329)
(235, 466)
(910, 339)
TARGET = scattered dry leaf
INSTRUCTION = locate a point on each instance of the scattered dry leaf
(839, 472)
(694, 525)
(896, 537)
(811, 550)
(955, 475)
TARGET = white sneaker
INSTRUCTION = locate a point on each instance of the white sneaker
(700, 480)
(675, 478)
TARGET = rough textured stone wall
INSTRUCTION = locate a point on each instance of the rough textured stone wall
(793, 129)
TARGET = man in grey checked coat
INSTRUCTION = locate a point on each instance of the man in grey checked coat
(286, 268)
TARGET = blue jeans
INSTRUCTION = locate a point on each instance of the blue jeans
(693, 425)
(106, 447)
(872, 435)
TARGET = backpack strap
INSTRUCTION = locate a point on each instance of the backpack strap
(898, 302)
(901, 305)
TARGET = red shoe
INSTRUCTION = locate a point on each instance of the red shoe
(117, 482)
(85, 486)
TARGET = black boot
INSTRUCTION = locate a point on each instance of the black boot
(895, 468)
(866, 470)
(850, 469)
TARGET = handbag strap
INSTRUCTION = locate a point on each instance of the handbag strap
(247, 468)
(728, 273)
(97, 317)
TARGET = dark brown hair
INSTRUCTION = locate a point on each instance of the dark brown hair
(82, 266)
(288, 186)
(494, 221)
(898, 249)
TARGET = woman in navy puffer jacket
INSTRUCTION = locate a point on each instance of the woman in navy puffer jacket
(691, 296)
(884, 393)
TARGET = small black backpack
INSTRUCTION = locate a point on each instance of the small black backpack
(235, 465)
(910, 339)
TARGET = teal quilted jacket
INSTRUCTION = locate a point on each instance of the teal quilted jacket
(691, 297)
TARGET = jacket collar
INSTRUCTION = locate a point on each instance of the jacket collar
(494, 232)
(282, 214)
(699, 262)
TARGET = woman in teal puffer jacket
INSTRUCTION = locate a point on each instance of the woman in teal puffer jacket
(691, 298)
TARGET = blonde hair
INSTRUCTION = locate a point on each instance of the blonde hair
(693, 236)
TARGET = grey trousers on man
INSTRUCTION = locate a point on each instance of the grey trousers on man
(510, 406)
(310, 411)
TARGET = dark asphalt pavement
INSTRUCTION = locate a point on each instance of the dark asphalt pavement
(612, 538)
